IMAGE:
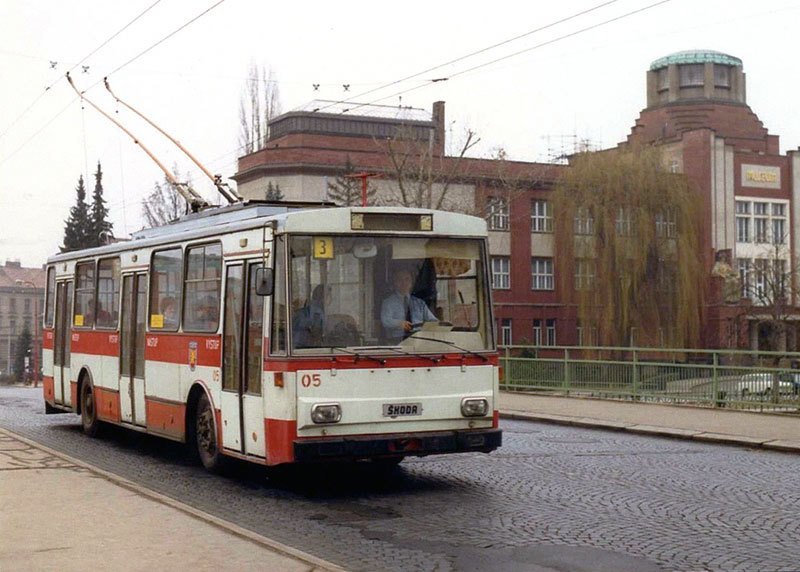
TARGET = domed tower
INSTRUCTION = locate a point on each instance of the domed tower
(695, 75)
(700, 89)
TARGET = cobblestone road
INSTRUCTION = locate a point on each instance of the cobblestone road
(552, 498)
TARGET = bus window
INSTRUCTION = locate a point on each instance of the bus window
(165, 289)
(278, 337)
(83, 313)
(203, 277)
(50, 300)
(107, 293)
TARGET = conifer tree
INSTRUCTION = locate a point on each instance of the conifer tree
(23, 349)
(346, 190)
(274, 193)
(78, 226)
(99, 214)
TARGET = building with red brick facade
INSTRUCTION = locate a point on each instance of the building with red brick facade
(696, 113)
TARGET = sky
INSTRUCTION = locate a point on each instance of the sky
(581, 79)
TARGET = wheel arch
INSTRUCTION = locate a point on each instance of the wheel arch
(197, 390)
(84, 376)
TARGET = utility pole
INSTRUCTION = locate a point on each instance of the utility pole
(363, 176)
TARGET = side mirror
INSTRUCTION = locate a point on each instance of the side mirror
(265, 281)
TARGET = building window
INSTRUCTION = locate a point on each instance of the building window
(761, 280)
(537, 332)
(666, 224)
(27, 304)
(542, 274)
(12, 305)
(505, 332)
(691, 75)
(541, 216)
(624, 221)
(501, 272)
(498, 213)
(742, 221)
(550, 332)
(722, 76)
(744, 276)
(663, 79)
(761, 222)
(584, 221)
(584, 273)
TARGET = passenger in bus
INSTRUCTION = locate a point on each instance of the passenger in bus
(170, 311)
(208, 313)
(308, 324)
(103, 317)
(401, 312)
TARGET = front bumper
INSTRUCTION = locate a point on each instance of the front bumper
(405, 444)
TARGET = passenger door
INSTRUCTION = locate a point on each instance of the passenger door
(242, 362)
(63, 337)
(131, 349)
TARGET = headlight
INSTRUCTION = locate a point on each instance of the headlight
(326, 413)
(474, 407)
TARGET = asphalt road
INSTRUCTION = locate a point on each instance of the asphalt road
(552, 498)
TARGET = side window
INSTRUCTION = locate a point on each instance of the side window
(107, 313)
(203, 277)
(83, 313)
(50, 298)
(165, 289)
(278, 337)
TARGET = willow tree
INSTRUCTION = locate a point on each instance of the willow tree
(628, 249)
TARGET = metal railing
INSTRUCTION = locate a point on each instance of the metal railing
(762, 381)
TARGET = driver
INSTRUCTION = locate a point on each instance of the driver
(401, 312)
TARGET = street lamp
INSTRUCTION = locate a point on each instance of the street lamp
(36, 319)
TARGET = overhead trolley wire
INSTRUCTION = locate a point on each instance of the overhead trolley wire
(520, 52)
(115, 70)
(86, 57)
(475, 53)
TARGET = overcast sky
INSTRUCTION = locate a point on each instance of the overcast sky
(590, 85)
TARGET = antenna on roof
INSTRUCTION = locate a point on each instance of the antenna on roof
(192, 197)
(223, 188)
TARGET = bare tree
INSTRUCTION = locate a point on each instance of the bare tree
(771, 282)
(258, 104)
(424, 177)
(163, 205)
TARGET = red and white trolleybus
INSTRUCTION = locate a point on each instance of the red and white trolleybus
(275, 334)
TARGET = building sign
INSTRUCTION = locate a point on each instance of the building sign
(761, 176)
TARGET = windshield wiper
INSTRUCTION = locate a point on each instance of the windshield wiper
(452, 344)
(358, 355)
(405, 352)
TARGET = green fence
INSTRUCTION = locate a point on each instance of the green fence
(762, 381)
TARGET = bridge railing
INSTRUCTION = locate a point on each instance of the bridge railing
(763, 381)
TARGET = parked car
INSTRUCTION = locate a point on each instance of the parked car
(792, 378)
(761, 383)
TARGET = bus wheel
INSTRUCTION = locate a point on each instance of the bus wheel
(206, 435)
(388, 462)
(88, 410)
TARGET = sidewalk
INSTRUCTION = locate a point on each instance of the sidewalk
(57, 513)
(769, 431)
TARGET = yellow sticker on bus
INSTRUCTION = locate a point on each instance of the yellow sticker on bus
(156, 320)
(323, 247)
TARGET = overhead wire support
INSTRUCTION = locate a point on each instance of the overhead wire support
(223, 188)
(195, 200)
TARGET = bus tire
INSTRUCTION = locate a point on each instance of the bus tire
(89, 420)
(205, 431)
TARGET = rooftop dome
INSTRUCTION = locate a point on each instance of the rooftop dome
(695, 57)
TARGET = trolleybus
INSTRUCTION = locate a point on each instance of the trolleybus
(267, 333)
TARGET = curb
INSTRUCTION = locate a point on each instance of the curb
(315, 563)
(783, 446)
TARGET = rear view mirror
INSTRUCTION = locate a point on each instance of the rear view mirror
(265, 281)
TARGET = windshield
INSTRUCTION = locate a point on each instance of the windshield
(415, 295)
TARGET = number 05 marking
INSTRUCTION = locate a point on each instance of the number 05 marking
(310, 380)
